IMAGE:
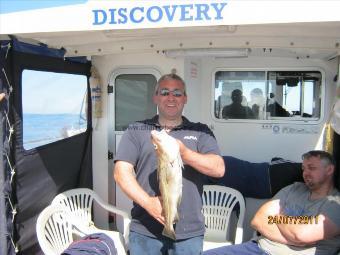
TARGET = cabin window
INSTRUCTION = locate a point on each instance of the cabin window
(263, 95)
(133, 94)
(294, 94)
(53, 106)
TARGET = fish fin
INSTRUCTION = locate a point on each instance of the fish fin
(176, 219)
(177, 215)
(180, 161)
(169, 233)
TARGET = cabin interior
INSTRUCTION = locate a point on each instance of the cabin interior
(295, 65)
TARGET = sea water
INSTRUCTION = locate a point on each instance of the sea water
(40, 129)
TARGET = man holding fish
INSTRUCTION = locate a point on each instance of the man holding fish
(160, 164)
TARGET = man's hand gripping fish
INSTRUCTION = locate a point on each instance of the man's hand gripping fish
(169, 174)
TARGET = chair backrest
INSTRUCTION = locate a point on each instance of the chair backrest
(78, 202)
(218, 204)
(54, 231)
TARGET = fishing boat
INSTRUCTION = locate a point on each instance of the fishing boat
(282, 55)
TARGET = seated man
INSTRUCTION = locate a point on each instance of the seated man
(301, 219)
(236, 110)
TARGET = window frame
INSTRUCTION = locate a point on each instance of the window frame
(279, 120)
(123, 71)
(85, 104)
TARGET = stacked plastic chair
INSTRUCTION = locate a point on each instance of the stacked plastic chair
(74, 215)
(218, 205)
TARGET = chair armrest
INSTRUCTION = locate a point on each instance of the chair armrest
(114, 209)
(239, 235)
(126, 216)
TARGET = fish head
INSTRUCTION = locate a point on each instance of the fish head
(164, 143)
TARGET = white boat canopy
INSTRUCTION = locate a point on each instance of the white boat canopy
(94, 27)
(36, 16)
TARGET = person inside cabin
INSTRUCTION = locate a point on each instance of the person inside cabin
(275, 109)
(135, 171)
(301, 219)
(257, 103)
(236, 110)
(225, 97)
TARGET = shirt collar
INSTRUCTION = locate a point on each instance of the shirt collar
(154, 121)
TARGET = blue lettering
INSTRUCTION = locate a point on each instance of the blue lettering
(219, 10)
(185, 11)
(112, 15)
(167, 11)
(96, 17)
(132, 14)
(122, 14)
(202, 9)
(160, 13)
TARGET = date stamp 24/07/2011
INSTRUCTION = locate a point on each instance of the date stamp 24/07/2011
(285, 219)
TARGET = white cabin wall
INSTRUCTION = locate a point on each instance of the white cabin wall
(100, 149)
(193, 80)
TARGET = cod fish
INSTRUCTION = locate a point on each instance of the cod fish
(169, 174)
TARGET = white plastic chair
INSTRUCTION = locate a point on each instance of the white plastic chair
(79, 203)
(54, 230)
(218, 204)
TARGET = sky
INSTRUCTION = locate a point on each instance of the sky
(52, 93)
(8, 6)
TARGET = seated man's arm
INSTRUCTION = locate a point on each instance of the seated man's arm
(261, 222)
(318, 228)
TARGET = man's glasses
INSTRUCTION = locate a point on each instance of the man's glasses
(166, 92)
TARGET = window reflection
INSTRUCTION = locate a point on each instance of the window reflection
(133, 93)
(265, 95)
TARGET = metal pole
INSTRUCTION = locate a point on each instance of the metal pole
(3, 216)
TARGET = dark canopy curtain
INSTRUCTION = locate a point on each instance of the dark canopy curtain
(7, 200)
(42, 172)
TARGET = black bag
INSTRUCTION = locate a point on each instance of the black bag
(282, 173)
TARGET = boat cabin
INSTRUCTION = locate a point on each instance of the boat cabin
(74, 74)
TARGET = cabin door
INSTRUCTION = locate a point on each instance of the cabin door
(130, 101)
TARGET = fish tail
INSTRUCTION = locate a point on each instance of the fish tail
(169, 233)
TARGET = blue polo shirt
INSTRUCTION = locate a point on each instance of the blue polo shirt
(136, 148)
